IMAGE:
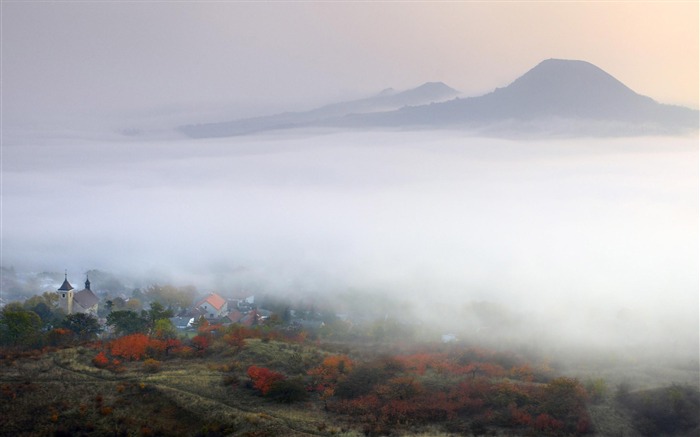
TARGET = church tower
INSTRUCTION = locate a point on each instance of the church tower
(65, 296)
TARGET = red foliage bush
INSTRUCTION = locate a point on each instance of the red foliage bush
(332, 368)
(263, 378)
(519, 417)
(546, 423)
(100, 360)
(200, 342)
(130, 347)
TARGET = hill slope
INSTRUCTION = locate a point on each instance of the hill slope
(587, 98)
(387, 100)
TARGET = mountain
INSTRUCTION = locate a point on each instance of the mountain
(557, 96)
(387, 100)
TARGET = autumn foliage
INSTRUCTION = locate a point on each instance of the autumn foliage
(437, 385)
(406, 389)
(131, 347)
(263, 378)
(100, 360)
(135, 347)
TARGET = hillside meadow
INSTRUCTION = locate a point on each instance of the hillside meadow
(263, 382)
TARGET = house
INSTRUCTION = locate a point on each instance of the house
(244, 304)
(250, 319)
(235, 316)
(83, 301)
(213, 306)
(182, 322)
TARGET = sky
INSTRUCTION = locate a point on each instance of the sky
(206, 61)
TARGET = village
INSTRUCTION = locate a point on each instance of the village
(212, 308)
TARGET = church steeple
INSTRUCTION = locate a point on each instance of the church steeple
(87, 282)
(65, 295)
(66, 285)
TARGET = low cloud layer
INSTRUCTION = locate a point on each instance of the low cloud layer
(579, 230)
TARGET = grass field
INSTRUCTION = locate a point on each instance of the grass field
(61, 393)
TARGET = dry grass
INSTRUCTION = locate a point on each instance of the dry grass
(63, 393)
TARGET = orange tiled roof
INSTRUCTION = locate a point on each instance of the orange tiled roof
(214, 300)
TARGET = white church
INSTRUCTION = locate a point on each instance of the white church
(83, 301)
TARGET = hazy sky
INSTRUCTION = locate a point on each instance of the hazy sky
(62, 59)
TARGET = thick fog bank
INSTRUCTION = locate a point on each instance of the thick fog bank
(587, 233)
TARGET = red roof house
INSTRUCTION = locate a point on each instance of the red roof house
(214, 306)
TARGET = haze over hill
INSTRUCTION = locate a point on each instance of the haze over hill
(557, 96)
(387, 100)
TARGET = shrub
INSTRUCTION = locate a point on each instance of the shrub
(359, 382)
(101, 361)
(288, 391)
(151, 365)
(200, 343)
(546, 423)
(263, 378)
(131, 347)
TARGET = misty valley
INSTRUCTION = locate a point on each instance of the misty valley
(331, 282)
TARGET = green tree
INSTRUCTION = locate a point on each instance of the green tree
(164, 329)
(156, 312)
(84, 326)
(127, 322)
(19, 327)
(46, 307)
(118, 303)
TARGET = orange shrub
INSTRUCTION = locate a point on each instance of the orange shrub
(263, 378)
(200, 342)
(130, 347)
(100, 360)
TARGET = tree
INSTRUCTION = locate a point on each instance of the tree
(84, 326)
(19, 327)
(164, 329)
(155, 313)
(126, 322)
(118, 303)
(46, 307)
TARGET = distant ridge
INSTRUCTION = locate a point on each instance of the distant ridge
(386, 100)
(557, 96)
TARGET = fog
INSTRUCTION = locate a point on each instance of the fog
(590, 239)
